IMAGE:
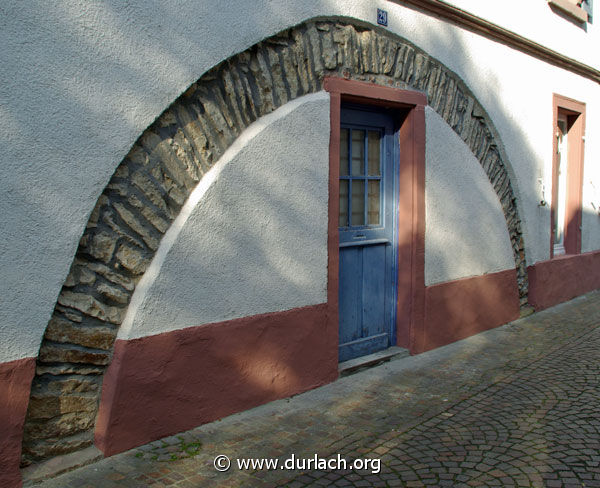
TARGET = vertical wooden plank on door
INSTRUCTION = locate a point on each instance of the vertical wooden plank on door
(367, 236)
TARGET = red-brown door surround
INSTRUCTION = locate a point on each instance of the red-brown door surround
(574, 113)
(427, 317)
(409, 110)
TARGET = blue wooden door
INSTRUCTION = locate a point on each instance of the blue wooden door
(368, 149)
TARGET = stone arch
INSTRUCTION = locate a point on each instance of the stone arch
(153, 181)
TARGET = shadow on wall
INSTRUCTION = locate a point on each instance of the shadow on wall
(565, 276)
(252, 369)
(192, 376)
(256, 242)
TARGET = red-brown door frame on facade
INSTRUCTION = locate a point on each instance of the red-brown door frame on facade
(575, 113)
(410, 107)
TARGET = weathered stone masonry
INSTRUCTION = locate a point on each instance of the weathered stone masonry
(151, 184)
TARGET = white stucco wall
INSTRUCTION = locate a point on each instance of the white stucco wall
(253, 236)
(465, 236)
(535, 20)
(80, 81)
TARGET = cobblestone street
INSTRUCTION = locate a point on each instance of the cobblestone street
(540, 427)
(515, 406)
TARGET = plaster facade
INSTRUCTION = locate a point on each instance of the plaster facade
(254, 239)
(85, 81)
(150, 186)
(213, 240)
(109, 71)
(455, 229)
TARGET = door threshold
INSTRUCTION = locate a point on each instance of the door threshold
(357, 364)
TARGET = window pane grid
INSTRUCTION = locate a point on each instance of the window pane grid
(360, 177)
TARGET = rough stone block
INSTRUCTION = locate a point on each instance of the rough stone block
(59, 353)
(100, 245)
(132, 259)
(147, 187)
(136, 225)
(68, 368)
(46, 448)
(51, 406)
(119, 227)
(92, 307)
(113, 293)
(73, 384)
(79, 275)
(149, 214)
(176, 193)
(112, 276)
(93, 221)
(64, 331)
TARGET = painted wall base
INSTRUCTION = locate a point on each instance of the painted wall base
(15, 385)
(167, 383)
(458, 309)
(563, 278)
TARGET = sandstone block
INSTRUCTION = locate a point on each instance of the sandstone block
(112, 276)
(330, 55)
(113, 293)
(101, 246)
(73, 384)
(158, 222)
(46, 448)
(138, 156)
(177, 194)
(92, 307)
(121, 229)
(93, 221)
(147, 187)
(132, 259)
(136, 225)
(79, 275)
(161, 153)
(65, 331)
(122, 171)
(69, 313)
(50, 406)
(58, 353)
(68, 368)
(61, 426)
(194, 131)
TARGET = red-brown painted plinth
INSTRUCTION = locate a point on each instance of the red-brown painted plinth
(167, 383)
(562, 278)
(458, 309)
(15, 385)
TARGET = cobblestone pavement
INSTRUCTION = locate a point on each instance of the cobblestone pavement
(515, 406)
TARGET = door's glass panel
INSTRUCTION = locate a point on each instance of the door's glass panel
(358, 152)
(344, 153)
(358, 202)
(373, 202)
(374, 156)
(343, 220)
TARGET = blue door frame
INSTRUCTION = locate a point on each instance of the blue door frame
(367, 231)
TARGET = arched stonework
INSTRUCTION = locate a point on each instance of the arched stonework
(151, 184)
